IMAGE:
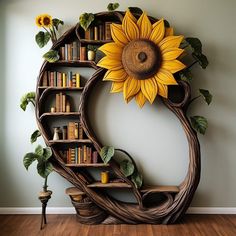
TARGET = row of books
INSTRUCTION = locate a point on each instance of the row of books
(62, 103)
(81, 155)
(70, 52)
(100, 32)
(71, 131)
(60, 79)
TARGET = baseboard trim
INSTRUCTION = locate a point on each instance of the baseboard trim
(71, 210)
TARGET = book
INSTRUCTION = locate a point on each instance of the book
(57, 102)
(62, 53)
(74, 50)
(95, 32)
(63, 103)
(76, 130)
(95, 157)
(81, 132)
(69, 52)
(59, 79)
(87, 34)
(83, 56)
(100, 32)
(51, 78)
(85, 154)
(66, 52)
(108, 30)
(77, 76)
(54, 78)
(71, 131)
(45, 79)
(63, 80)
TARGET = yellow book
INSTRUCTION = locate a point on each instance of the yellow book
(77, 80)
(63, 80)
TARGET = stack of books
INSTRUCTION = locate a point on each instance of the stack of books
(99, 32)
(70, 52)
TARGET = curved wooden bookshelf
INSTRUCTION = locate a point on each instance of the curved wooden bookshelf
(99, 206)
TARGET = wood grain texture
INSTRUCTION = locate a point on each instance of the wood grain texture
(109, 210)
(61, 225)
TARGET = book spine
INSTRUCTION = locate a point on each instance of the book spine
(57, 102)
(77, 80)
(62, 53)
(69, 52)
(96, 33)
(63, 103)
(74, 50)
(95, 157)
(61, 95)
(63, 80)
(45, 79)
(91, 33)
(66, 52)
(71, 131)
(76, 155)
(76, 130)
(81, 132)
(64, 132)
(55, 79)
(51, 79)
(83, 56)
(101, 33)
(107, 30)
(85, 154)
(59, 80)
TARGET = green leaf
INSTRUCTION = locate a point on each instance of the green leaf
(39, 150)
(85, 20)
(199, 123)
(136, 10)
(29, 158)
(137, 179)
(202, 59)
(107, 153)
(196, 44)
(47, 153)
(34, 136)
(44, 168)
(26, 98)
(127, 168)
(206, 94)
(186, 75)
(113, 6)
(42, 38)
(56, 22)
(51, 56)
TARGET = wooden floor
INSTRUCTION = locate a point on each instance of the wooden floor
(191, 225)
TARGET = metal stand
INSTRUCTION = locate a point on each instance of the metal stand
(44, 197)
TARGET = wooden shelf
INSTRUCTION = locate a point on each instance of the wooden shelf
(87, 41)
(73, 191)
(88, 165)
(109, 185)
(76, 63)
(160, 189)
(61, 88)
(52, 114)
(52, 142)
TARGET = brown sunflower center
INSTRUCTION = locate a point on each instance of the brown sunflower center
(141, 58)
(46, 21)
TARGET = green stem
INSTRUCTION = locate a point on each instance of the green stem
(45, 186)
(33, 102)
(54, 32)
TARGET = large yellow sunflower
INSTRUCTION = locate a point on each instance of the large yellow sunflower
(142, 59)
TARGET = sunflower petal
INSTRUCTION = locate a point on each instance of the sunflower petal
(173, 66)
(110, 63)
(158, 31)
(149, 89)
(140, 99)
(117, 87)
(111, 49)
(145, 26)
(171, 53)
(129, 26)
(118, 35)
(131, 88)
(169, 31)
(170, 42)
(115, 75)
(165, 77)
(163, 90)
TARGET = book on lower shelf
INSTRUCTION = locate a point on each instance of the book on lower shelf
(70, 52)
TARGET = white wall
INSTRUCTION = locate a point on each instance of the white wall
(152, 135)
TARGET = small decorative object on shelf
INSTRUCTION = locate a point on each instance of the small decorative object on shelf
(56, 133)
(105, 177)
(53, 109)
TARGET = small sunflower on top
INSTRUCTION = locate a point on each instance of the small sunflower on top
(50, 25)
